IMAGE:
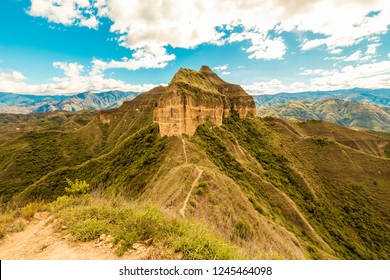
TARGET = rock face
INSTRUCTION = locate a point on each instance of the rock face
(193, 97)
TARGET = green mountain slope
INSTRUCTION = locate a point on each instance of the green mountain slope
(379, 97)
(309, 190)
(350, 114)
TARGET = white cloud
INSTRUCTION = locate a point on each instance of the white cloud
(75, 80)
(149, 26)
(370, 75)
(273, 86)
(268, 49)
(66, 12)
(221, 67)
(225, 73)
(157, 58)
(347, 25)
(336, 51)
(262, 47)
(311, 72)
(335, 58)
(354, 57)
(388, 55)
(12, 76)
(371, 49)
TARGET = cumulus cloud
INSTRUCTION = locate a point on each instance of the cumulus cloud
(274, 86)
(75, 80)
(263, 47)
(349, 24)
(67, 12)
(221, 67)
(12, 76)
(157, 58)
(311, 72)
(354, 57)
(371, 49)
(153, 25)
(369, 75)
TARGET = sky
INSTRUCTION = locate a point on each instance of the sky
(63, 47)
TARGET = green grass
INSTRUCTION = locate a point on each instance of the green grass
(344, 213)
(87, 219)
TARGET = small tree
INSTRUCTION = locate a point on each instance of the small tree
(77, 187)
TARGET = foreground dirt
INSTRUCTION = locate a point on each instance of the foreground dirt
(39, 241)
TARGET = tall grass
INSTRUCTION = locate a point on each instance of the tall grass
(87, 219)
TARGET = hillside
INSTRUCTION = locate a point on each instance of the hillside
(24, 104)
(349, 114)
(264, 187)
(379, 97)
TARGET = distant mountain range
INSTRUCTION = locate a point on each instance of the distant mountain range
(365, 96)
(24, 104)
(355, 108)
(346, 113)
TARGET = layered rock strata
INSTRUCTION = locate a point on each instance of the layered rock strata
(193, 97)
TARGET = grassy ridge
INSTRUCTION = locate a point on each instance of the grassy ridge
(343, 213)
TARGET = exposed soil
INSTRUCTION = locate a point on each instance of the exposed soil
(40, 241)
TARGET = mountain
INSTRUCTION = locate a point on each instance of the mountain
(24, 104)
(88, 100)
(346, 113)
(196, 151)
(19, 103)
(366, 96)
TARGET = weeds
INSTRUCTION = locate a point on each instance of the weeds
(87, 220)
(30, 209)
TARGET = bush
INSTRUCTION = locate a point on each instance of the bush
(77, 187)
(242, 231)
(128, 225)
(30, 209)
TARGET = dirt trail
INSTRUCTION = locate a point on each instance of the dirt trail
(184, 149)
(194, 183)
(39, 241)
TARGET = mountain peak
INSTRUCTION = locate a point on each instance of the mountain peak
(205, 69)
(193, 97)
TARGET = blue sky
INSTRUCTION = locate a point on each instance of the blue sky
(71, 46)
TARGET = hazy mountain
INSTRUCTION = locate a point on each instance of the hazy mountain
(17, 103)
(308, 190)
(22, 103)
(365, 96)
(345, 113)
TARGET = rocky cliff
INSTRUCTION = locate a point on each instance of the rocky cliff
(193, 97)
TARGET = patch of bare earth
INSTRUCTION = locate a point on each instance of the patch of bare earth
(40, 241)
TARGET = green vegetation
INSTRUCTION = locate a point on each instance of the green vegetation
(77, 187)
(356, 231)
(28, 211)
(88, 218)
(294, 190)
(342, 112)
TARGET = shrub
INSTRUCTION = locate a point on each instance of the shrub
(202, 188)
(242, 231)
(77, 187)
(30, 209)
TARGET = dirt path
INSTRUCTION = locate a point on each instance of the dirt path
(184, 149)
(39, 241)
(194, 183)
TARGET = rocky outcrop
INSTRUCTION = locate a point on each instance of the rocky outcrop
(193, 97)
